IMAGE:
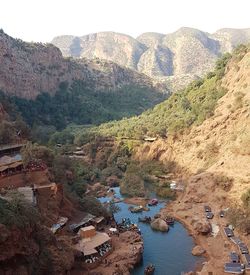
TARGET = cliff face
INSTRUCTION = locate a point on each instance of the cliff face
(184, 54)
(32, 248)
(27, 69)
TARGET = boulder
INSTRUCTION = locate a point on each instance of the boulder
(203, 228)
(160, 225)
(198, 250)
(156, 216)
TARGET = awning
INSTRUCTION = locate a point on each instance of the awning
(98, 219)
(90, 251)
(10, 166)
(85, 220)
(89, 244)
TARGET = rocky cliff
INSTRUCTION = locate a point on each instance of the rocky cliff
(175, 58)
(27, 69)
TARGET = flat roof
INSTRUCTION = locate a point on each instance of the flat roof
(87, 228)
(11, 146)
(9, 166)
(90, 252)
(90, 244)
(86, 219)
(98, 219)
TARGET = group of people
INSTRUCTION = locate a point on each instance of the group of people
(104, 248)
(127, 225)
(91, 259)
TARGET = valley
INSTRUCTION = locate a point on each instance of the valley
(73, 130)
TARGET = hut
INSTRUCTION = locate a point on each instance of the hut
(87, 232)
(10, 149)
(93, 245)
(86, 221)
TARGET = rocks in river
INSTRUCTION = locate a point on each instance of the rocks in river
(198, 250)
(160, 225)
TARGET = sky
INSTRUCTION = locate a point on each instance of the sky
(40, 21)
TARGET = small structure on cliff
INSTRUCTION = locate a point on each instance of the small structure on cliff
(88, 220)
(10, 165)
(93, 245)
(10, 149)
(60, 223)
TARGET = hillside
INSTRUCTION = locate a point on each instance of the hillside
(48, 89)
(28, 69)
(203, 128)
(181, 110)
(202, 143)
(220, 144)
(174, 58)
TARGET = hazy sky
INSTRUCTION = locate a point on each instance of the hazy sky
(41, 20)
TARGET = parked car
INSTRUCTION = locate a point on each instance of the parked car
(222, 213)
(207, 208)
(209, 215)
(228, 232)
(234, 257)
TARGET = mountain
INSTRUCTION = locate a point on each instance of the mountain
(174, 58)
(28, 69)
(47, 89)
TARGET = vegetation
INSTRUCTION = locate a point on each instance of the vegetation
(17, 212)
(180, 111)
(246, 199)
(80, 105)
(240, 216)
(12, 126)
(144, 175)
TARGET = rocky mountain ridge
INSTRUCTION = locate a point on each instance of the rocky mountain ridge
(174, 58)
(28, 69)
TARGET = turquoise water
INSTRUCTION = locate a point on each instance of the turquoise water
(170, 252)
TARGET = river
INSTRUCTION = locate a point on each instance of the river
(170, 252)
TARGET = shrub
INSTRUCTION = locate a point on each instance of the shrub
(246, 199)
(132, 185)
(223, 182)
(92, 206)
(37, 153)
(17, 212)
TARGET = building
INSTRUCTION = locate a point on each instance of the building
(93, 245)
(10, 149)
(10, 165)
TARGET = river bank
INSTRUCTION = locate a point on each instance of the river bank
(188, 208)
(169, 252)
